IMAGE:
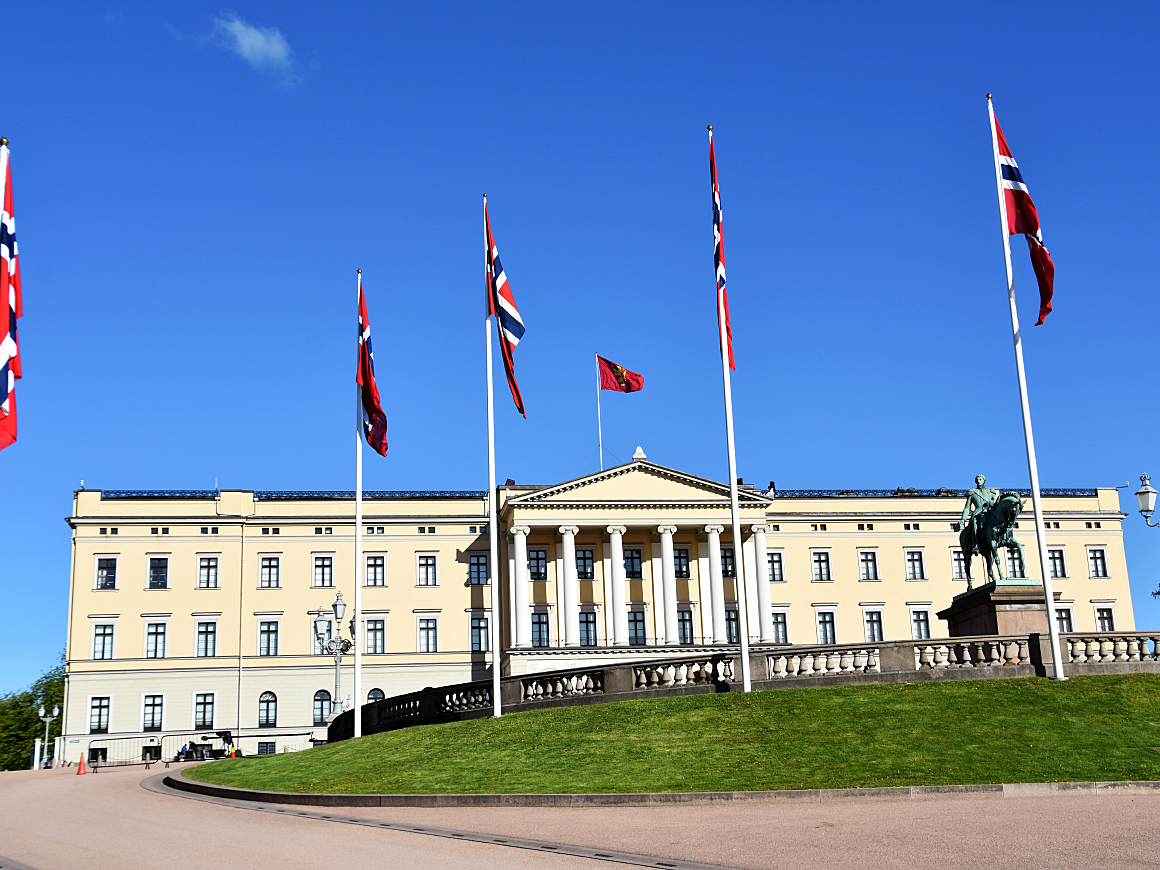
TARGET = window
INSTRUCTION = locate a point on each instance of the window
(267, 711)
(636, 635)
(472, 529)
(376, 636)
(958, 565)
(152, 717)
(732, 624)
(920, 621)
(321, 706)
(817, 527)
(102, 641)
(158, 573)
(268, 639)
(538, 564)
(477, 569)
(376, 570)
(106, 573)
(684, 626)
(1105, 620)
(112, 531)
(826, 632)
(728, 568)
(873, 626)
(266, 747)
(268, 579)
(428, 635)
(1058, 566)
(865, 527)
(776, 570)
(207, 639)
(155, 640)
(914, 569)
(821, 566)
(207, 573)
(588, 628)
(632, 565)
(868, 565)
(323, 570)
(99, 716)
(780, 628)
(479, 634)
(586, 565)
(1015, 570)
(428, 575)
(203, 711)
(1098, 563)
(1063, 619)
(540, 635)
(375, 695)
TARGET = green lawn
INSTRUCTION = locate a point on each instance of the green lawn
(1027, 730)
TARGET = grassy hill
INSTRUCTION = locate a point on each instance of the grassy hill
(1027, 730)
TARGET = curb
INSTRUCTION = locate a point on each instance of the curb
(658, 799)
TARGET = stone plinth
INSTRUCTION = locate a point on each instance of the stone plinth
(999, 609)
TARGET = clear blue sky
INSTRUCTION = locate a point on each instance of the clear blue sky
(196, 184)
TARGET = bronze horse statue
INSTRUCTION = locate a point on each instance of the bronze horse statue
(989, 531)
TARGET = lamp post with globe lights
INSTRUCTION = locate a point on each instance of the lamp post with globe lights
(337, 646)
(1146, 496)
(47, 720)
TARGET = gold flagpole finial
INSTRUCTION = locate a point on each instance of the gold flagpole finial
(3, 140)
(360, 271)
(988, 96)
(710, 128)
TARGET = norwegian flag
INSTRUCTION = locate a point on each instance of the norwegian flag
(10, 294)
(719, 254)
(1022, 217)
(502, 304)
(374, 420)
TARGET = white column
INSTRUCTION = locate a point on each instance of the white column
(669, 580)
(571, 588)
(523, 615)
(619, 607)
(764, 605)
(717, 583)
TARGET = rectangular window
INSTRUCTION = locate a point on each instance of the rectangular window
(1015, 570)
(323, 570)
(376, 635)
(376, 570)
(268, 639)
(914, 568)
(958, 565)
(207, 573)
(538, 564)
(540, 629)
(207, 639)
(266, 747)
(868, 565)
(681, 563)
(1063, 619)
(732, 624)
(106, 573)
(636, 635)
(155, 640)
(586, 565)
(99, 716)
(477, 569)
(874, 626)
(920, 621)
(428, 575)
(268, 579)
(1058, 567)
(776, 570)
(428, 635)
(1104, 619)
(1098, 563)
(826, 631)
(632, 565)
(728, 568)
(821, 566)
(587, 628)
(102, 641)
(685, 626)
(158, 573)
(780, 628)
(480, 636)
(153, 710)
(203, 711)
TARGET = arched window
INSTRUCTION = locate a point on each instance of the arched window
(375, 695)
(321, 706)
(267, 710)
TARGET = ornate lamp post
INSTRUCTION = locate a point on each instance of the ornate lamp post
(1147, 498)
(47, 720)
(337, 646)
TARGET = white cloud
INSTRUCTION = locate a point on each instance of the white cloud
(263, 48)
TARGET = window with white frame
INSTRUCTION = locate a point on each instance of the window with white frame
(203, 710)
(267, 710)
(376, 570)
(155, 640)
(479, 636)
(873, 620)
(477, 569)
(1056, 562)
(540, 633)
(152, 712)
(684, 626)
(321, 706)
(537, 564)
(821, 559)
(159, 573)
(868, 565)
(920, 624)
(586, 565)
(268, 576)
(268, 638)
(914, 566)
(958, 565)
(588, 627)
(1015, 567)
(207, 572)
(376, 636)
(107, 573)
(428, 570)
(1105, 619)
(632, 564)
(728, 564)
(99, 715)
(206, 639)
(1063, 619)
(827, 627)
(636, 632)
(428, 635)
(102, 641)
(323, 570)
(780, 627)
(1098, 563)
(732, 626)
(776, 567)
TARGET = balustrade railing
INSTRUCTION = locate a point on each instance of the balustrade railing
(821, 661)
(1111, 646)
(685, 671)
(469, 697)
(539, 687)
(972, 652)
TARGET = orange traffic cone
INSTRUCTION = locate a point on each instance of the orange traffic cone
(81, 770)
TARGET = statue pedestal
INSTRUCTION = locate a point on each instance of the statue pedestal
(999, 609)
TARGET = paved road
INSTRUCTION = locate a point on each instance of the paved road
(54, 820)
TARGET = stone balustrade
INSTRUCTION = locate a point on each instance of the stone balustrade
(683, 671)
(972, 652)
(1111, 646)
(470, 697)
(560, 684)
(829, 660)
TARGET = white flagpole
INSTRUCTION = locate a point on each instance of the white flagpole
(734, 510)
(356, 632)
(493, 628)
(599, 427)
(1032, 466)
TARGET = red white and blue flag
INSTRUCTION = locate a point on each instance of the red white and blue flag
(502, 304)
(719, 255)
(374, 420)
(10, 298)
(1022, 217)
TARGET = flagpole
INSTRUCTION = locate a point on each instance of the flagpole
(1032, 465)
(493, 628)
(356, 632)
(599, 427)
(735, 513)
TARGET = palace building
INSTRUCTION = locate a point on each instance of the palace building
(193, 611)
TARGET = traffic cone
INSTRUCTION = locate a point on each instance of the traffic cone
(81, 770)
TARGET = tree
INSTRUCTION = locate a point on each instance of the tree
(20, 723)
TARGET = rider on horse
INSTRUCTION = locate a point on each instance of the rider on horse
(979, 500)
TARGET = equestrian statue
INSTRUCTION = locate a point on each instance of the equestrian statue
(987, 525)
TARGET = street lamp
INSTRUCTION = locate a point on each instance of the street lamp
(47, 720)
(336, 646)
(1147, 498)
